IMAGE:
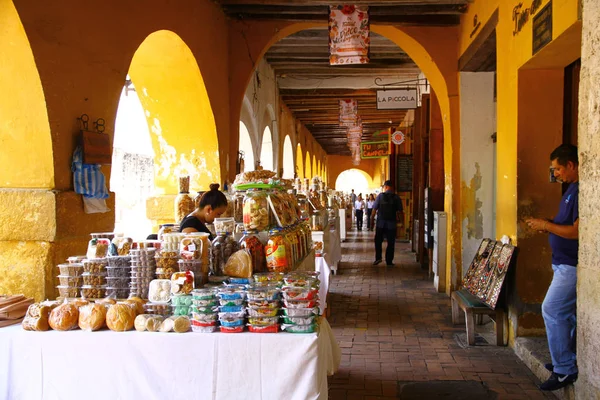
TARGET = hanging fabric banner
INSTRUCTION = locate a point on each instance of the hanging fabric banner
(348, 35)
(348, 112)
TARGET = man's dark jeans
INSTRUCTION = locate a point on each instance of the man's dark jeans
(390, 235)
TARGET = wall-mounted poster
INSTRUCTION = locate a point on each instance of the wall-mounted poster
(348, 35)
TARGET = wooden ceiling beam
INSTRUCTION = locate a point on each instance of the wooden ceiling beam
(415, 20)
(323, 10)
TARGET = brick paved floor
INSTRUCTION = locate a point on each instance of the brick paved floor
(392, 326)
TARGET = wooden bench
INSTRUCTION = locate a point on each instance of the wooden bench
(474, 311)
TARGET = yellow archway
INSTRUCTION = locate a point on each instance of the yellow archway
(354, 178)
(26, 152)
(307, 165)
(178, 110)
(299, 162)
(288, 158)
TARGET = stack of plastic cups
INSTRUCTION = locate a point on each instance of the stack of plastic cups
(301, 300)
(94, 278)
(143, 268)
(118, 276)
(264, 302)
(204, 310)
(232, 315)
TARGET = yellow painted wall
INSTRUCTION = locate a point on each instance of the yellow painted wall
(178, 111)
(513, 52)
(26, 155)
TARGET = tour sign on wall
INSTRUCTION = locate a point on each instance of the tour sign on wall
(374, 149)
(398, 137)
(400, 99)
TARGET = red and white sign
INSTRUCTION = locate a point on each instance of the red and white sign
(348, 35)
(398, 137)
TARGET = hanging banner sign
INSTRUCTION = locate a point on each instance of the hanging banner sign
(398, 137)
(348, 112)
(374, 149)
(348, 35)
(397, 99)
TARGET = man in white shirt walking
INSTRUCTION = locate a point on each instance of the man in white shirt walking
(359, 207)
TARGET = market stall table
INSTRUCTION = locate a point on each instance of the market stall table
(132, 365)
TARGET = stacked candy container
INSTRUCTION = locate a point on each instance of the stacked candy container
(94, 278)
(222, 248)
(232, 311)
(182, 285)
(159, 297)
(70, 277)
(143, 268)
(263, 308)
(118, 276)
(301, 299)
(204, 310)
(168, 255)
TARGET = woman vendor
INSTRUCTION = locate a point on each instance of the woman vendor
(212, 204)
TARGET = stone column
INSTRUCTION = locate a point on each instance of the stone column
(588, 285)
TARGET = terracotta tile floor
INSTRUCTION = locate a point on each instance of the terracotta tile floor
(392, 326)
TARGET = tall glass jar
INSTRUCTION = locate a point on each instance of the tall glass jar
(238, 207)
(256, 211)
(278, 252)
(184, 204)
(222, 248)
(251, 242)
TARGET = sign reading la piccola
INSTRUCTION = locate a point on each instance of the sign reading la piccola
(399, 99)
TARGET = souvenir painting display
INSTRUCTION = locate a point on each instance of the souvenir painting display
(487, 271)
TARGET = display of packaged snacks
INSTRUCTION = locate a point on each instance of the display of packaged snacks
(263, 328)
(271, 304)
(93, 279)
(239, 265)
(300, 303)
(72, 281)
(230, 321)
(262, 312)
(299, 293)
(299, 328)
(198, 327)
(95, 266)
(71, 269)
(204, 317)
(232, 292)
(144, 256)
(238, 207)
(263, 293)
(118, 272)
(93, 292)
(232, 302)
(231, 309)
(68, 291)
(76, 259)
(97, 248)
(300, 312)
(204, 294)
(157, 309)
(258, 176)
(182, 282)
(263, 320)
(278, 252)
(120, 317)
(181, 310)
(222, 248)
(224, 225)
(231, 329)
(299, 320)
(268, 277)
(36, 317)
(252, 243)
(165, 273)
(171, 240)
(117, 292)
(64, 317)
(119, 261)
(120, 246)
(256, 211)
(299, 279)
(118, 283)
(181, 300)
(159, 291)
(92, 317)
(239, 281)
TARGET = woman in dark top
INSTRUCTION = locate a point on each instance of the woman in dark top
(212, 204)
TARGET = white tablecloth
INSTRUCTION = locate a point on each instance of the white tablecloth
(135, 365)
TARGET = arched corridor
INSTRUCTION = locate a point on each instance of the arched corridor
(398, 341)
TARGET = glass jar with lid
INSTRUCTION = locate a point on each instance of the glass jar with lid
(316, 221)
(278, 252)
(223, 246)
(251, 242)
(238, 207)
(256, 211)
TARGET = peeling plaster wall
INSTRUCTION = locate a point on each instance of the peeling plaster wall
(588, 270)
(477, 172)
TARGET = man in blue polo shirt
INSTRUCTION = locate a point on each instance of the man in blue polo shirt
(559, 306)
(388, 208)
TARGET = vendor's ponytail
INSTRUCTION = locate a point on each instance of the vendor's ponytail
(214, 197)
